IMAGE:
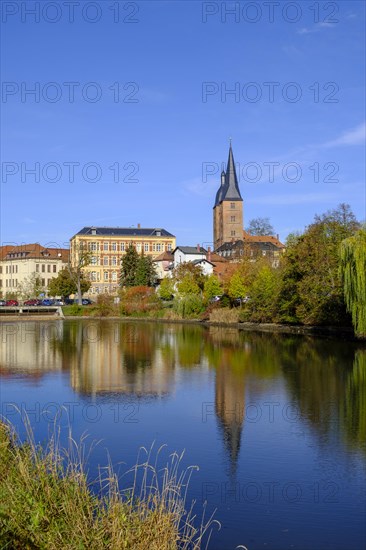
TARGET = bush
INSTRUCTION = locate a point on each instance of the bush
(74, 310)
(139, 300)
(188, 306)
(105, 306)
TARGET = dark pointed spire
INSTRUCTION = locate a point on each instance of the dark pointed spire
(229, 188)
(232, 191)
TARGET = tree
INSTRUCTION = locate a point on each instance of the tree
(129, 267)
(311, 289)
(190, 270)
(82, 258)
(66, 283)
(237, 287)
(353, 275)
(187, 285)
(212, 287)
(260, 226)
(263, 295)
(31, 286)
(145, 274)
(166, 289)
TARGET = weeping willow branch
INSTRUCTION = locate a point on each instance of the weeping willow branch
(353, 274)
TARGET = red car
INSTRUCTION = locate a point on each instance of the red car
(11, 303)
(32, 302)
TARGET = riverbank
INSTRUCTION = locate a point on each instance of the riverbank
(345, 333)
(47, 502)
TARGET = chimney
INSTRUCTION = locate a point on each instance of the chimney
(198, 247)
(278, 237)
(209, 253)
(138, 226)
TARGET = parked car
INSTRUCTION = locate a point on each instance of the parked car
(58, 303)
(2, 302)
(32, 302)
(47, 302)
(11, 303)
(86, 302)
(69, 301)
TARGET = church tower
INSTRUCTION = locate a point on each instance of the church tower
(228, 208)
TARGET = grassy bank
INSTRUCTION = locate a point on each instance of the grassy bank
(46, 502)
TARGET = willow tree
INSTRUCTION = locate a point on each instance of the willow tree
(353, 273)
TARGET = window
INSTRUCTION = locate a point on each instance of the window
(158, 247)
(37, 268)
(105, 260)
(43, 268)
(106, 275)
(6, 269)
(146, 247)
(93, 275)
(114, 276)
(43, 282)
(106, 247)
(48, 268)
(233, 233)
(93, 246)
(122, 247)
(138, 247)
(233, 218)
(154, 247)
(232, 205)
(94, 260)
(54, 268)
(114, 260)
(169, 247)
(114, 247)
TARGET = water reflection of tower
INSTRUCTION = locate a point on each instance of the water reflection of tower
(229, 405)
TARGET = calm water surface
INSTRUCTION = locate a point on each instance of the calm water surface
(275, 423)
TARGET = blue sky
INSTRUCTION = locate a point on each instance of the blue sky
(151, 95)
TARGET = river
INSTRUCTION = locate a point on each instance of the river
(276, 423)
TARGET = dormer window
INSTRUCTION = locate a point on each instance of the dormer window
(158, 233)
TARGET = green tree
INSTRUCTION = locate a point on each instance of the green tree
(189, 270)
(263, 295)
(187, 285)
(166, 289)
(212, 287)
(129, 267)
(145, 274)
(353, 276)
(66, 283)
(311, 290)
(237, 287)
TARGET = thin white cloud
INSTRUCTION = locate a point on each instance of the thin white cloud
(316, 28)
(355, 136)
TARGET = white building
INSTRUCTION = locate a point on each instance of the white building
(18, 263)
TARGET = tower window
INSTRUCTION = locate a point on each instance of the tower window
(233, 218)
(233, 233)
(232, 205)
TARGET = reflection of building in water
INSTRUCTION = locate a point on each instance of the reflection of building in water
(123, 359)
(230, 403)
(26, 347)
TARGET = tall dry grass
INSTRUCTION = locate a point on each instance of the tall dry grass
(46, 500)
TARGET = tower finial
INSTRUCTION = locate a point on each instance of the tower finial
(230, 141)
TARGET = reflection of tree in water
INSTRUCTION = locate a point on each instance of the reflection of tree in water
(327, 381)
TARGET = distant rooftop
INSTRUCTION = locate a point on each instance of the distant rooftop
(191, 250)
(125, 232)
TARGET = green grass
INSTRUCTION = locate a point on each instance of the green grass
(46, 502)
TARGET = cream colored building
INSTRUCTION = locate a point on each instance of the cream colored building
(108, 246)
(18, 263)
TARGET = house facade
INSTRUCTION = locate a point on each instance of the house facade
(108, 245)
(18, 263)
